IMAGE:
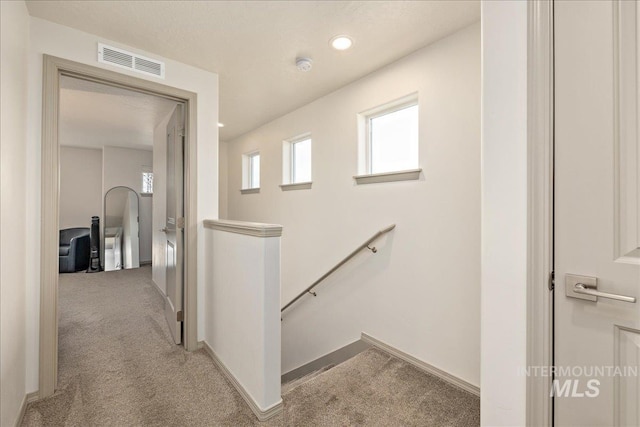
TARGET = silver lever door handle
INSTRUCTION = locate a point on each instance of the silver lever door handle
(581, 288)
(164, 229)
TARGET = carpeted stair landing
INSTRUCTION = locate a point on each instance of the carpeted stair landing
(377, 389)
(118, 366)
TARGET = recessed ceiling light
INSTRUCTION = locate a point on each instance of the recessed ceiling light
(341, 42)
(220, 125)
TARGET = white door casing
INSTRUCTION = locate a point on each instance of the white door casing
(175, 223)
(597, 213)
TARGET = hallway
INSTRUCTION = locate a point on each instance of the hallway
(118, 364)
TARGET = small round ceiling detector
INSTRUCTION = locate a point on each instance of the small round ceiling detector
(341, 42)
(303, 64)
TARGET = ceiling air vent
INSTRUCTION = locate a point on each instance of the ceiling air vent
(123, 59)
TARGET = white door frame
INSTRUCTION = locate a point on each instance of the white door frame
(540, 116)
(53, 69)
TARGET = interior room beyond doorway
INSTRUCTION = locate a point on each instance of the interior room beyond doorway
(109, 139)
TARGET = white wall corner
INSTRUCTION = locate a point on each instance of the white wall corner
(504, 192)
(15, 258)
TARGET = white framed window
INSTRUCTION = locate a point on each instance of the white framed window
(251, 171)
(296, 162)
(389, 142)
(147, 183)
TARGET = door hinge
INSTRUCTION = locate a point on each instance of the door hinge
(179, 316)
(180, 223)
(552, 280)
(181, 132)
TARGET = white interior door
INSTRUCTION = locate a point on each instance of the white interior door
(597, 214)
(174, 228)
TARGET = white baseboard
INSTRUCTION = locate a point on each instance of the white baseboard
(335, 358)
(158, 288)
(28, 398)
(423, 366)
(33, 396)
(23, 408)
(261, 414)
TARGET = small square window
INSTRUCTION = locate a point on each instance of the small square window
(251, 171)
(301, 161)
(254, 171)
(390, 137)
(296, 162)
(147, 183)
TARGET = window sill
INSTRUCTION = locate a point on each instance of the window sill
(146, 194)
(296, 186)
(250, 190)
(408, 175)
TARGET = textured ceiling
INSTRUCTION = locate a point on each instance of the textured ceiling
(252, 45)
(93, 115)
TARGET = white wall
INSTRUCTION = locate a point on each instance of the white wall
(504, 212)
(421, 291)
(223, 178)
(159, 241)
(124, 166)
(14, 43)
(80, 186)
(57, 40)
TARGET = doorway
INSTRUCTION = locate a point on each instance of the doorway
(115, 144)
(54, 70)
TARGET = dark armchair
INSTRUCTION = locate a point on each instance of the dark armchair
(74, 250)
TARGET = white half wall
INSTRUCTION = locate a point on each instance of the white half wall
(504, 212)
(421, 292)
(64, 42)
(243, 320)
(14, 45)
(80, 186)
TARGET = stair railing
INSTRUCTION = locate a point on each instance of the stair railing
(365, 245)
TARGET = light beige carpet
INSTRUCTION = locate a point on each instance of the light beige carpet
(118, 366)
(377, 389)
